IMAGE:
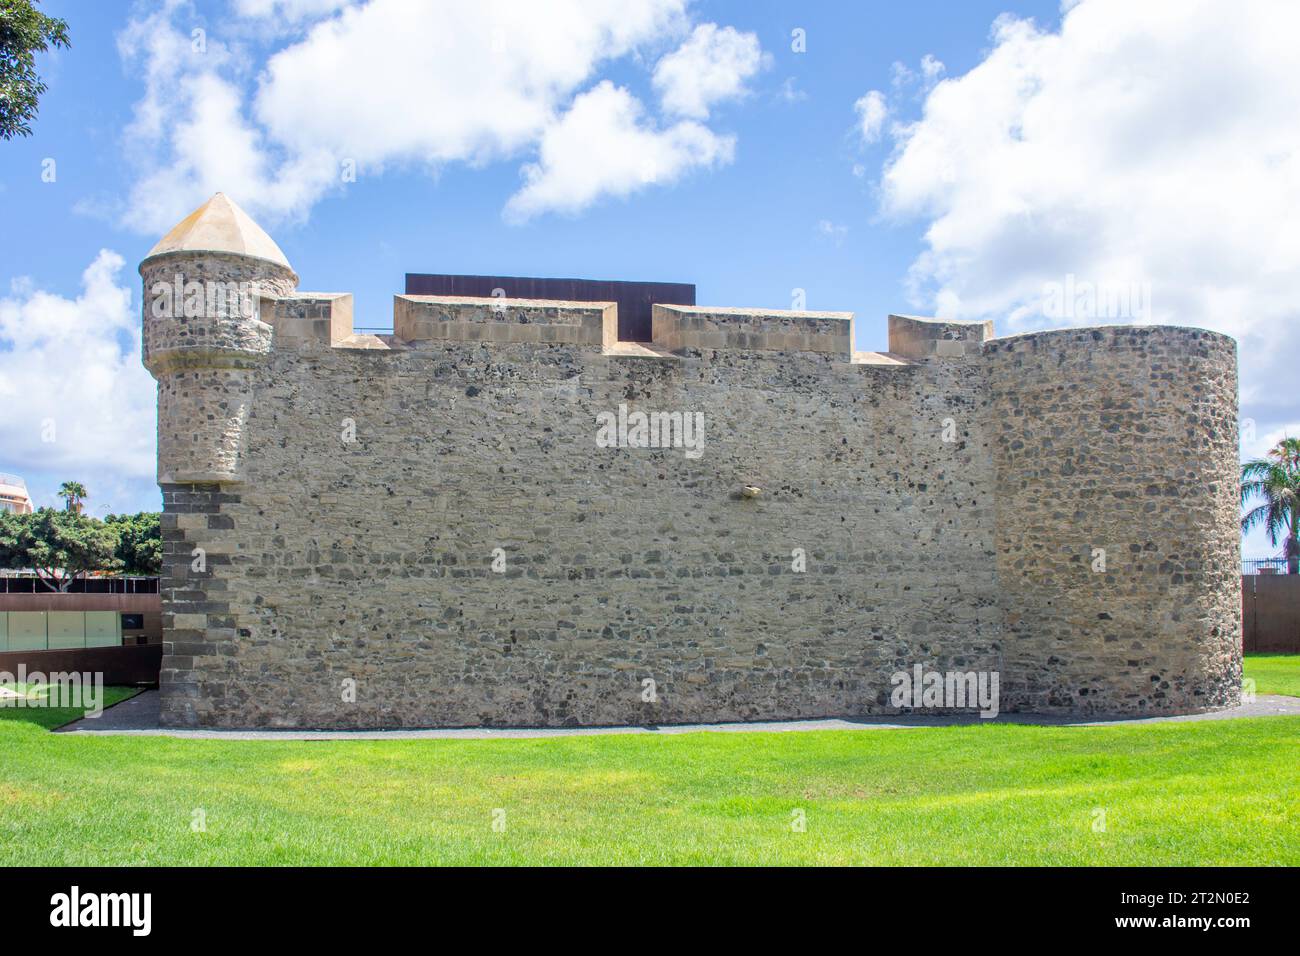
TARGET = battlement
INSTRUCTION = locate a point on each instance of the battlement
(313, 319)
(928, 340)
(422, 319)
(217, 260)
(680, 328)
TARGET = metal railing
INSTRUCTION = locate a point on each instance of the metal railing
(1270, 566)
(12, 480)
(12, 583)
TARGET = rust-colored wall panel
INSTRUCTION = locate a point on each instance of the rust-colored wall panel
(1271, 613)
(119, 665)
(636, 300)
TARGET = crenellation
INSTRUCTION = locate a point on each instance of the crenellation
(426, 318)
(320, 318)
(927, 340)
(678, 328)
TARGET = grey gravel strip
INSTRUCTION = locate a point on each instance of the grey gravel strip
(139, 717)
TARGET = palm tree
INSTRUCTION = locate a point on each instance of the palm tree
(73, 493)
(1275, 479)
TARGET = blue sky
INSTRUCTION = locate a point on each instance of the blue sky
(936, 158)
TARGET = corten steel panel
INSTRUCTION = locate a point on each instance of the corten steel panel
(58, 601)
(636, 300)
(119, 665)
(1249, 637)
(1277, 614)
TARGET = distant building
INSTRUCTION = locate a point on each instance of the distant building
(13, 495)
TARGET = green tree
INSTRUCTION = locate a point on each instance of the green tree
(11, 553)
(24, 32)
(139, 542)
(1275, 480)
(74, 495)
(60, 546)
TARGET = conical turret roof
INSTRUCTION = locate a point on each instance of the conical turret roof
(219, 225)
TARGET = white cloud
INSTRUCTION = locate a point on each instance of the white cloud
(1150, 143)
(872, 110)
(602, 146)
(389, 84)
(1255, 444)
(789, 91)
(292, 10)
(189, 135)
(710, 67)
(77, 396)
(436, 83)
(902, 78)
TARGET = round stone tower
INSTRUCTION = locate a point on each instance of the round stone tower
(1117, 537)
(203, 335)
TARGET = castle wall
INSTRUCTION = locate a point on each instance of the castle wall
(1117, 518)
(426, 530)
(371, 560)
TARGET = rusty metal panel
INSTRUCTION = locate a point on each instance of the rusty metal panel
(1276, 617)
(636, 300)
(119, 665)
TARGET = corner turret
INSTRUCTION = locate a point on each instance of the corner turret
(203, 284)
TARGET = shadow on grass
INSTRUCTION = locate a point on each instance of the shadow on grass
(33, 711)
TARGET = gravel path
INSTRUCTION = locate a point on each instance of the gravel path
(139, 716)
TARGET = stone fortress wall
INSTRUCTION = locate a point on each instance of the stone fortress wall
(422, 529)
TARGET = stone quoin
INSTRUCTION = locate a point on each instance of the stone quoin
(421, 529)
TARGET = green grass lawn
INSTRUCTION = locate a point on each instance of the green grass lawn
(1274, 673)
(51, 717)
(1217, 792)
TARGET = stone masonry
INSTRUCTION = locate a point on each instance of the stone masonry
(421, 529)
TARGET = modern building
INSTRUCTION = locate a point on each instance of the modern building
(107, 625)
(13, 495)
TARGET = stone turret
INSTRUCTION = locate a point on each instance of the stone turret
(1116, 528)
(203, 285)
